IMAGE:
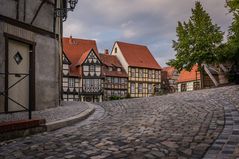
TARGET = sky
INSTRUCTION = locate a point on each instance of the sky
(148, 22)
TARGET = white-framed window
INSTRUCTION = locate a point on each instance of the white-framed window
(118, 69)
(116, 50)
(92, 68)
(141, 73)
(140, 87)
(123, 80)
(116, 80)
(109, 79)
(150, 74)
(132, 87)
(156, 74)
(71, 82)
(133, 72)
(86, 68)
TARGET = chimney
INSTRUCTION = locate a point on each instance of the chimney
(70, 40)
(106, 51)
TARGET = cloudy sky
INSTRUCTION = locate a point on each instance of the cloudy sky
(148, 22)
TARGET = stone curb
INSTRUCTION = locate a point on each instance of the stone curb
(72, 120)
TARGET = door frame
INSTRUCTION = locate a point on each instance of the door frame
(32, 45)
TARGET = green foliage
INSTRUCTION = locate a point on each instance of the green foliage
(233, 5)
(198, 40)
(115, 98)
(233, 37)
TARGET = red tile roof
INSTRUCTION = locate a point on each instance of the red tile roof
(75, 49)
(84, 56)
(186, 76)
(75, 71)
(112, 61)
(138, 55)
(169, 71)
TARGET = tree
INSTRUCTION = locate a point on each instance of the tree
(232, 46)
(233, 37)
(198, 40)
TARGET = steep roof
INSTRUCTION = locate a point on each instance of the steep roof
(169, 70)
(138, 55)
(75, 48)
(112, 61)
(186, 76)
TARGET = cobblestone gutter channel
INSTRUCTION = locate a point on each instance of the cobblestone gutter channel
(227, 144)
(177, 126)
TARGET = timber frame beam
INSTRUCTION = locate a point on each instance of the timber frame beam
(29, 27)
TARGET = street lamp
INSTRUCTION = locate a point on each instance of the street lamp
(72, 4)
(62, 12)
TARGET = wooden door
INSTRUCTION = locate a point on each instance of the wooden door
(18, 75)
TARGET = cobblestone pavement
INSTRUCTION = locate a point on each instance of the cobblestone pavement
(67, 110)
(181, 125)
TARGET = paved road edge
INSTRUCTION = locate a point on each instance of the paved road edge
(72, 120)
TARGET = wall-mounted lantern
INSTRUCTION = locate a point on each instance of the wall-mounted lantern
(62, 12)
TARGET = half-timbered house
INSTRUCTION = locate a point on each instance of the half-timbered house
(189, 80)
(144, 73)
(30, 53)
(194, 80)
(86, 66)
(70, 82)
(115, 77)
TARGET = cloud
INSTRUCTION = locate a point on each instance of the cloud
(149, 22)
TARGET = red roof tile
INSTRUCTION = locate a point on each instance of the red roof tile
(169, 71)
(74, 50)
(138, 55)
(186, 76)
(112, 61)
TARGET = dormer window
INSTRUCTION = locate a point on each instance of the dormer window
(118, 69)
(110, 69)
(116, 50)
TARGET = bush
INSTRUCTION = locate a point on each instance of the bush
(115, 98)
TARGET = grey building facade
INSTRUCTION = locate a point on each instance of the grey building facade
(30, 54)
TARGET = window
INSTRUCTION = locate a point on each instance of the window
(133, 72)
(141, 74)
(92, 68)
(150, 74)
(123, 80)
(118, 69)
(110, 69)
(86, 68)
(140, 88)
(116, 50)
(196, 85)
(71, 82)
(116, 80)
(132, 87)
(87, 82)
(183, 87)
(156, 74)
(122, 93)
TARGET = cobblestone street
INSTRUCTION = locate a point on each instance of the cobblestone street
(200, 124)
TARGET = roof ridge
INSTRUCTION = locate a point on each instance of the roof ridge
(79, 39)
(144, 45)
